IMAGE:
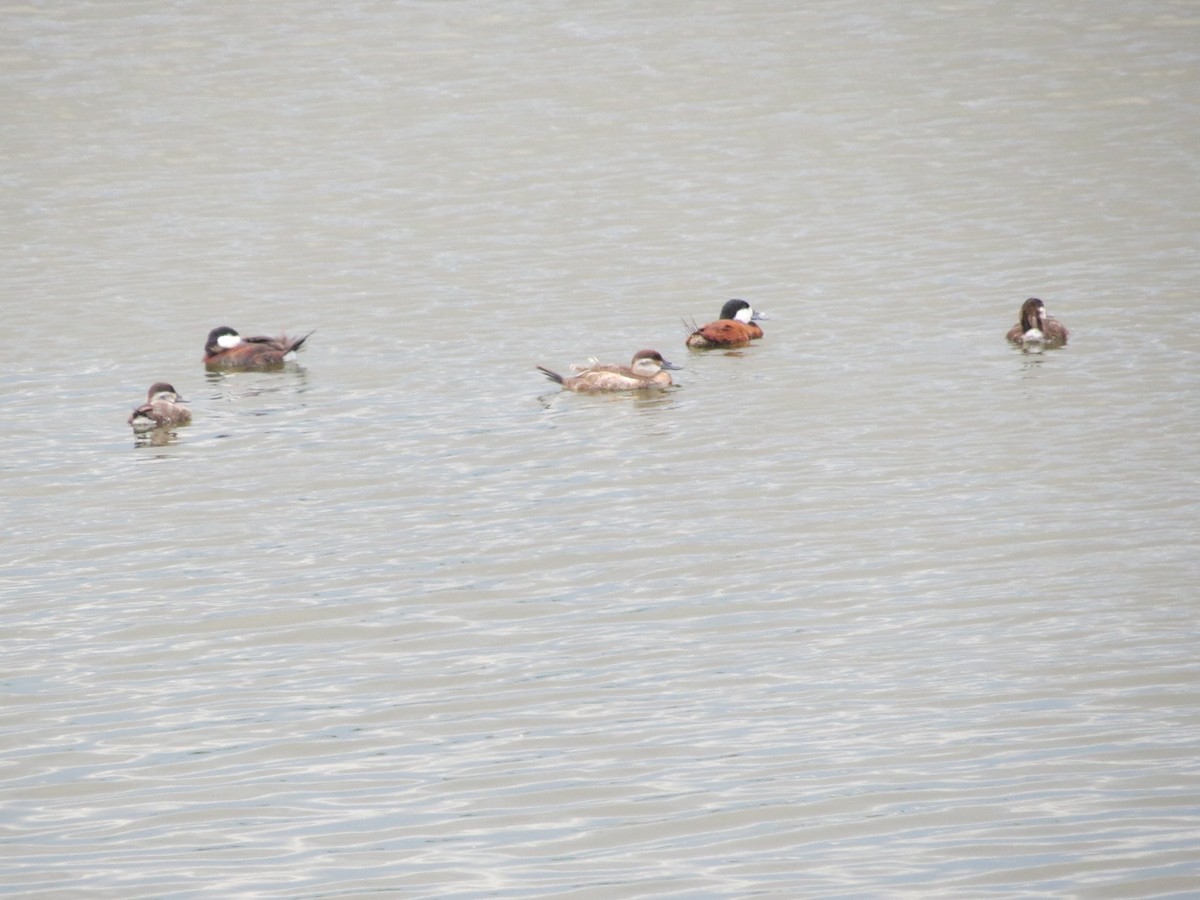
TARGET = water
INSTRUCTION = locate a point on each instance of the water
(877, 606)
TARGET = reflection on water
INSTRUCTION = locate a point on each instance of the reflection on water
(653, 398)
(405, 619)
(257, 392)
(155, 437)
(289, 378)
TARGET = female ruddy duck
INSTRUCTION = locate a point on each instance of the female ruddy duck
(646, 370)
(1036, 326)
(163, 406)
(227, 349)
(736, 327)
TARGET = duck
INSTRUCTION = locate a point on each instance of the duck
(736, 326)
(647, 369)
(226, 349)
(1035, 326)
(163, 407)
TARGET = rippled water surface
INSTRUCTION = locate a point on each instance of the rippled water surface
(878, 606)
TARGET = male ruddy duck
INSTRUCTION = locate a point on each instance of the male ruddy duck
(736, 327)
(1036, 326)
(646, 370)
(163, 406)
(227, 349)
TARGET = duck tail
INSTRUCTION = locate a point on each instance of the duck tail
(553, 376)
(295, 345)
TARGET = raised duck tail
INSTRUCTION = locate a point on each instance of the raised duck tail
(295, 345)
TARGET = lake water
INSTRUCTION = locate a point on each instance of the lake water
(878, 606)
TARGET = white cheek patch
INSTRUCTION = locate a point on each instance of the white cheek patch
(229, 341)
(745, 314)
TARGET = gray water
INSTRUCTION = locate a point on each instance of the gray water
(878, 606)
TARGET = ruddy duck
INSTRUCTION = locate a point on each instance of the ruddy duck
(227, 349)
(163, 406)
(646, 370)
(736, 327)
(1036, 326)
